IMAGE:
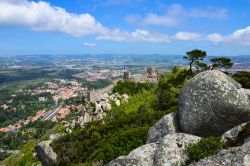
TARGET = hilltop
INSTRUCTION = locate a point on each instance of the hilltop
(135, 113)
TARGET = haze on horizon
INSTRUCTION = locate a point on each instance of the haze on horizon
(124, 27)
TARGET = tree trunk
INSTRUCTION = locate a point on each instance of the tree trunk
(190, 67)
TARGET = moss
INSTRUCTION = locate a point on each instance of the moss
(204, 148)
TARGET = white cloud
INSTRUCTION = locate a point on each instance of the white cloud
(177, 14)
(241, 36)
(208, 13)
(41, 16)
(165, 20)
(135, 36)
(89, 44)
(215, 37)
(133, 19)
(169, 19)
(186, 36)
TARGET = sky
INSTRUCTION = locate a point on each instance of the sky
(220, 27)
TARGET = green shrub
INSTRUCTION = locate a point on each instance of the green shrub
(4, 155)
(124, 129)
(169, 86)
(131, 88)
(243, 77)
(24, 157)
(119, 143)
(204, 148)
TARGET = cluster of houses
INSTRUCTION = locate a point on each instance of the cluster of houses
(20, 123)
(64, 89)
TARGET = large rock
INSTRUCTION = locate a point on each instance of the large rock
(247, 91)
(164, 126)
(236, 156)
(46, 154)
(212, 103)
(125, 161)
(105, 106)
(171, 149)
(145, 154)
(125, 97)
(98, 107)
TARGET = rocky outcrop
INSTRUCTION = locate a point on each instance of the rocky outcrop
(247, 91)
(125, 97)
(166, 125)
(236, 156)
(170, 150)
(96, 110)
(125, 162)
(45, 153)
(117, 102)
(145, 154)
(106, 106)
(212, 103)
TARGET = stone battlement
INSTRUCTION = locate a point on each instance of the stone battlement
(95, 94)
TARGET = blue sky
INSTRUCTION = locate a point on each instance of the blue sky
(221, 27)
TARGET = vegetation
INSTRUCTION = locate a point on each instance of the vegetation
(125, 128)
(221, 63)
(168, 88)
(23, 106)
(24, 157)
(24, 141)
(131, 88)
(4, 155)
(194, 57)
(204, 148)
(23, 75)
(32, 131)
(243, 77)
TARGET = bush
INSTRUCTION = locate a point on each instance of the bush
(131, 88)
(243, 77)
(204, 148)
(4, 155)
(119, 143)
(169, 87)
(24, 157)
(124, 129)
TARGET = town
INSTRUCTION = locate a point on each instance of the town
(63, 91)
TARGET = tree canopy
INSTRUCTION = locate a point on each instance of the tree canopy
(194, 57)
(221, 63)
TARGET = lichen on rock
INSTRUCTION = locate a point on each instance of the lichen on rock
(212, 103)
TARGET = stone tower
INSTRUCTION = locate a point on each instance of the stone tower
(150, 70)
(126, 75)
